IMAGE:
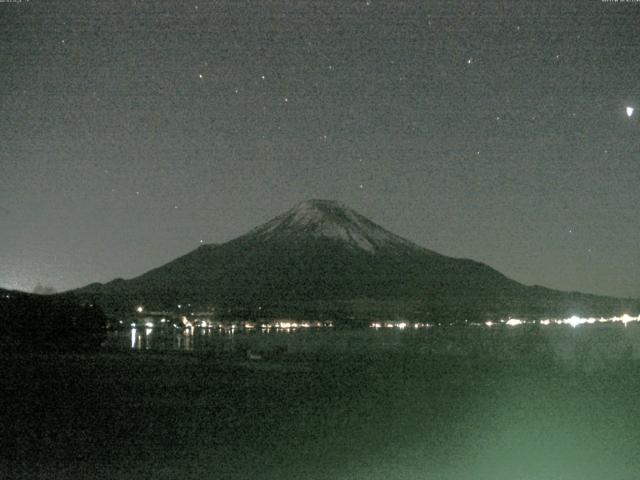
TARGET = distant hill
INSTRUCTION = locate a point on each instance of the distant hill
(324, 260)
(39, 322)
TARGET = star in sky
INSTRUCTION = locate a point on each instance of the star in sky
(416, 88)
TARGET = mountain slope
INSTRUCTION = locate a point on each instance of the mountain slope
(324, 259)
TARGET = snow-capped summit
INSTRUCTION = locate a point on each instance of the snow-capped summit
(333, 220)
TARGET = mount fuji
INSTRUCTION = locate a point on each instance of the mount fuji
(322, 259)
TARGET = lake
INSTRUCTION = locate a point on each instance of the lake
(587, 345)
(463, 403)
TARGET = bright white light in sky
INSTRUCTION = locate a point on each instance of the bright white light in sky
(629, 111)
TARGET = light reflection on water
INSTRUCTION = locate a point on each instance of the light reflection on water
(304, 336)
(590, 345)
(236, 338)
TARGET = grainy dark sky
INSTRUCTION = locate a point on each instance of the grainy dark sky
(495, 130)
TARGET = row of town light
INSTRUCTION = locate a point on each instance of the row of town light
(573, 321)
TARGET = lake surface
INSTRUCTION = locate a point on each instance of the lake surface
(468, 403)
(589, 345)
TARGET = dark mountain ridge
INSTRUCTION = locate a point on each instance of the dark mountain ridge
(322, 259)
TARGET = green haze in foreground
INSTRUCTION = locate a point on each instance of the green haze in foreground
(378, 415)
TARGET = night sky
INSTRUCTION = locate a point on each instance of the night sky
(132, 132)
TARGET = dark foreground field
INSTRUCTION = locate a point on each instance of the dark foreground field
(386, 416)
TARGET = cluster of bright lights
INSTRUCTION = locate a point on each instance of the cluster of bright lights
(398, 325)
(574, 321)
(293, 325)
(188, 324)
(288, 325)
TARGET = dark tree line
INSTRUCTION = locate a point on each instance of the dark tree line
(58, 323)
